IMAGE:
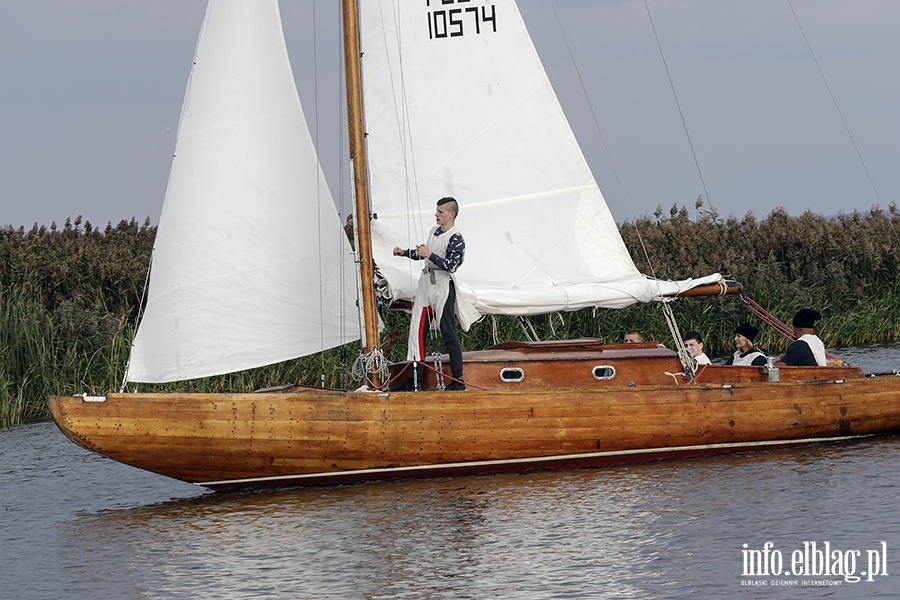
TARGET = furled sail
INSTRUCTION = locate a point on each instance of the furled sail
(458, 104)
(250, 265)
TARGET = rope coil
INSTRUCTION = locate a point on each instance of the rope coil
(370, 363)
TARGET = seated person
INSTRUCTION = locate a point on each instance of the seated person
(747, 352)
(633, 336)
(694, 344)
(807, 350)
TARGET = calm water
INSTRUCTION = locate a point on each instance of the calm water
(75, 525)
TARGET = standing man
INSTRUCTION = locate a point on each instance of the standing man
(747, 352)
(694, 344)
(435, 300)
(807, 350)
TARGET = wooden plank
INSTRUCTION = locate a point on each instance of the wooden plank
(209, 437)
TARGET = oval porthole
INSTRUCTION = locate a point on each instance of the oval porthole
(604, 372)
(512, 374)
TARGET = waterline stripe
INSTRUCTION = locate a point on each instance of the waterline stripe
(359, 473)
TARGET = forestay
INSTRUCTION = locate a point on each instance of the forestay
(458, 104)
(237, 278)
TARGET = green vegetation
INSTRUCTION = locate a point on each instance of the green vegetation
(67, 303)
(69, 298)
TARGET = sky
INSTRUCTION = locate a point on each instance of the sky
(742, 103)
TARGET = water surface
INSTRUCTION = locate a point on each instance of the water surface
(81, 526)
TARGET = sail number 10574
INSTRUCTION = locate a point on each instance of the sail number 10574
(454, 19)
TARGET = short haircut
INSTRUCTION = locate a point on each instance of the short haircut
(453, 205)
(692, 335)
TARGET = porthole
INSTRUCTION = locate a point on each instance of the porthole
(604, 372)
(512, 374)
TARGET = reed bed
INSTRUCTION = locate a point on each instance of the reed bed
(69, 298)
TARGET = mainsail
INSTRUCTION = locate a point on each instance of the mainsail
(248, 267)
(458, 104)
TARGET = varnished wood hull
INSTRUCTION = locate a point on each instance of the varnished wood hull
(312, 437)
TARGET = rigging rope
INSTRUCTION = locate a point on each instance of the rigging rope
(840, 113)
(684, 355)
(678, 106)
(315, 62)
(495, 329)
(773, 321)
(833, 100)
(372, 363)
(612, 163)
(141, 306)
(528, 328)
(667, 311)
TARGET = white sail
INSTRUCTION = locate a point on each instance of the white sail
(458, 104)
(248, 265)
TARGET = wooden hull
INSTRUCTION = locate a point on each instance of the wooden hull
(311, 436)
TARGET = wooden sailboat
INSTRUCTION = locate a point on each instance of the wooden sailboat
(234, 284)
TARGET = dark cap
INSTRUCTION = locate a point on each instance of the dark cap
(806, 318)
(747, 330)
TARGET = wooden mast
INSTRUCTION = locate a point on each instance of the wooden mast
(350, 10)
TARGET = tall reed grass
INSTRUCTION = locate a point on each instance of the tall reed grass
(69, 298)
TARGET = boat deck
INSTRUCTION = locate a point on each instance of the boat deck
(588, 363)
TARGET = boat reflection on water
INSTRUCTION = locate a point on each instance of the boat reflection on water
(652, 530)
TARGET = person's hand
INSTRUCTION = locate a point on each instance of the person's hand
(398, 251)
(423, 251)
